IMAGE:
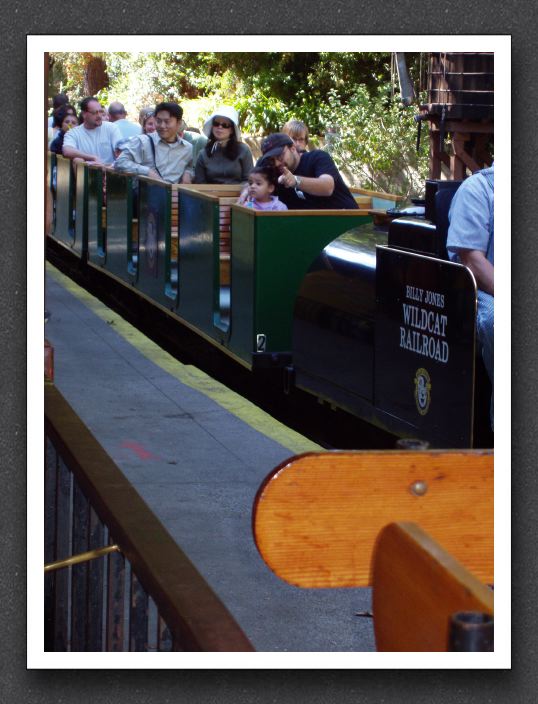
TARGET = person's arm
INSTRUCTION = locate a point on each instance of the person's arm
(71, 153)
(131, 158)
(247, 164)
(481, 267)
(199, 170)
(468, 236)
(189, 170)
(322, 185)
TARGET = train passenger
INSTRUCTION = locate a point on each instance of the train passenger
(298, 131)
(65, 118)
(94, 141)
(262, 183)
(197, 140)
(57, 119)
(146, 118)
(307, 179)
(162, 154)
(118, 115)
(57, 102)
(225, 158)
(470, 241)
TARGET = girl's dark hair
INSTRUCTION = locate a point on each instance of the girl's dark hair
(269, 171)
(230, 151)
(60, 113)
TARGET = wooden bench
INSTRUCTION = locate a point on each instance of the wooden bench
(225, 240)
(345, 519)
(417, 588)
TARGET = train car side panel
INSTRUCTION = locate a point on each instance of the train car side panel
(119, 192)
(242, 277)
(198, 217)
(96, 217)
(154, 228)
(64, 225)
(286, 246)
(80, 244)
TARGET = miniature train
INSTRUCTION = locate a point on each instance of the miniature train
(369, 316)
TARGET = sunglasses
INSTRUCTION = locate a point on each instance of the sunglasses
(224, 125)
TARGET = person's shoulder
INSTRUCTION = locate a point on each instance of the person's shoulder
(193, 137)
(488, 175)
(185, 143)
(277, 204)
(317, 155)
(73, 134)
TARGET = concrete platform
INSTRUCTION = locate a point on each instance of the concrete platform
(196, 452)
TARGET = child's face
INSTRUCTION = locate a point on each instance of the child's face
(259, 187)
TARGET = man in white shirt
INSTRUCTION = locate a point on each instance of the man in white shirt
(162, 154)
(94, 141)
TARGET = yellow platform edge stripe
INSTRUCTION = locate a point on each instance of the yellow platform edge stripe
(190, 375)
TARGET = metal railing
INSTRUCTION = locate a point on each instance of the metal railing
(115, 580)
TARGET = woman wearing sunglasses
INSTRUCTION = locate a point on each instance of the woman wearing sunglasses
(225, 159)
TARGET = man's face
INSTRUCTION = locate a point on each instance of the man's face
(300, 142)
(93, 115)
(167, 126)
(288, 158)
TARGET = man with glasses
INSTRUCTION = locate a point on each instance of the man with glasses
(308, 180)
(94, 141)
(162, 154)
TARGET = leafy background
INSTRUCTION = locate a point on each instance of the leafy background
(349, 101)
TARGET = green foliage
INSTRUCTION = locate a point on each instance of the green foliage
(373, 138)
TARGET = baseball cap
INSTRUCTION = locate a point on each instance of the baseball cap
(274, 144)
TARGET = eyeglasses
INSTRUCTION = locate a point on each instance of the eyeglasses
(225, 125)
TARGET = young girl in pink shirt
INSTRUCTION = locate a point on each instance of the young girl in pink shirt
(262, 181)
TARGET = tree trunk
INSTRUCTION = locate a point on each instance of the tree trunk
(95, 76)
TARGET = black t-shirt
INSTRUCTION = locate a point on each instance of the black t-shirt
(312, 165)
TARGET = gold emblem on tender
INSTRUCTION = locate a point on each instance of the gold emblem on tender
(422, 391)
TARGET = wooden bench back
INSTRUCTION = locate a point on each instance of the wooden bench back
(417, 587)
(317, 516)
(225, 248)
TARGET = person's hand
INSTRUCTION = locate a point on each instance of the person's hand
(243, 197)
(153, 174)
(286, 178)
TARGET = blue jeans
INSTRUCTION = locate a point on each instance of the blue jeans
(484, 329)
